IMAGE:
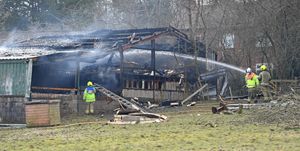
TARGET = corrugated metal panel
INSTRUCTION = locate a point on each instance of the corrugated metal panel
(15, 77)
(17, 58)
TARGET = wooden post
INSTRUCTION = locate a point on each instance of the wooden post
(185, 86)
(153, 66)
(122, 67)
(77, 82)
(28, 79)
(230, 93)
(207, 93)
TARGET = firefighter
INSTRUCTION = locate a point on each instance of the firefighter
(251, 83)
(89, 97)
(264, 78)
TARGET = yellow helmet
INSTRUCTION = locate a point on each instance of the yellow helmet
(263, 67)
(89, 83)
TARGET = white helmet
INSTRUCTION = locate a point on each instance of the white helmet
(248, 70)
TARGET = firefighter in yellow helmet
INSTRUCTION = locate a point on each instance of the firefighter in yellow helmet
(89, 97)
(265, 77)
(251, 83)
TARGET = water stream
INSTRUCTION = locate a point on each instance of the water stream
(185, 56)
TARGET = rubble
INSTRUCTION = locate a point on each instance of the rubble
(130, 111)
(227, 108)
(137, 118)
(191, 104)
(285, 111)
(150, 105)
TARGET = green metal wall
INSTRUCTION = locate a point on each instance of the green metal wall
(15, 78)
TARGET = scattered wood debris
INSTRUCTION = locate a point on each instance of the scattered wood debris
(227, 108)
(137, 118)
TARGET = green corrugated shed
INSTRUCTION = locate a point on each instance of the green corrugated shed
(15, 76)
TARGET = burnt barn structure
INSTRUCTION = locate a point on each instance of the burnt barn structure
(143, 63)
(105, 56)
(116, 59)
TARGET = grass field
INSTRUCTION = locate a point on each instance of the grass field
(188, 130)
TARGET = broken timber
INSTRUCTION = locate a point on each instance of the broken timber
(225, 106)
(189, 97)
(130, 117)
(136, 118)
(246, 106)
(124, 102)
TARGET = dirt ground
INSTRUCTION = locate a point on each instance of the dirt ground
(187, 128)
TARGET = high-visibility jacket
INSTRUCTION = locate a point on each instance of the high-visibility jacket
(264, 77)
(251, 80)
(89, 94)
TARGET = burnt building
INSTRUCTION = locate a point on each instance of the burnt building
(121, 60)
(153, 64)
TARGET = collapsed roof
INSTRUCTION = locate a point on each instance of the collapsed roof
(98, 54)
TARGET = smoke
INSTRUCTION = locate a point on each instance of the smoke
(10, 38)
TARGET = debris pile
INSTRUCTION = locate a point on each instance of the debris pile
(136, 118)
(284, 111)
(227, 108)
(130, 112)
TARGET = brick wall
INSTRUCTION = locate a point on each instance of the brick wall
(103, 105)
(12, 108)
(68, 102)
(70, 105)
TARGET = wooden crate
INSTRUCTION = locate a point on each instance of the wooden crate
(42, 113)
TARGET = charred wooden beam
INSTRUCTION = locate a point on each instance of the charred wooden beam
(122, 65)
(153, 66)
(55, 89)
(189, 97)
(222, 107)
(148, 38)
(126, 103)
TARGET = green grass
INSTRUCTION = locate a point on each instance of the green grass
(185, 131)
